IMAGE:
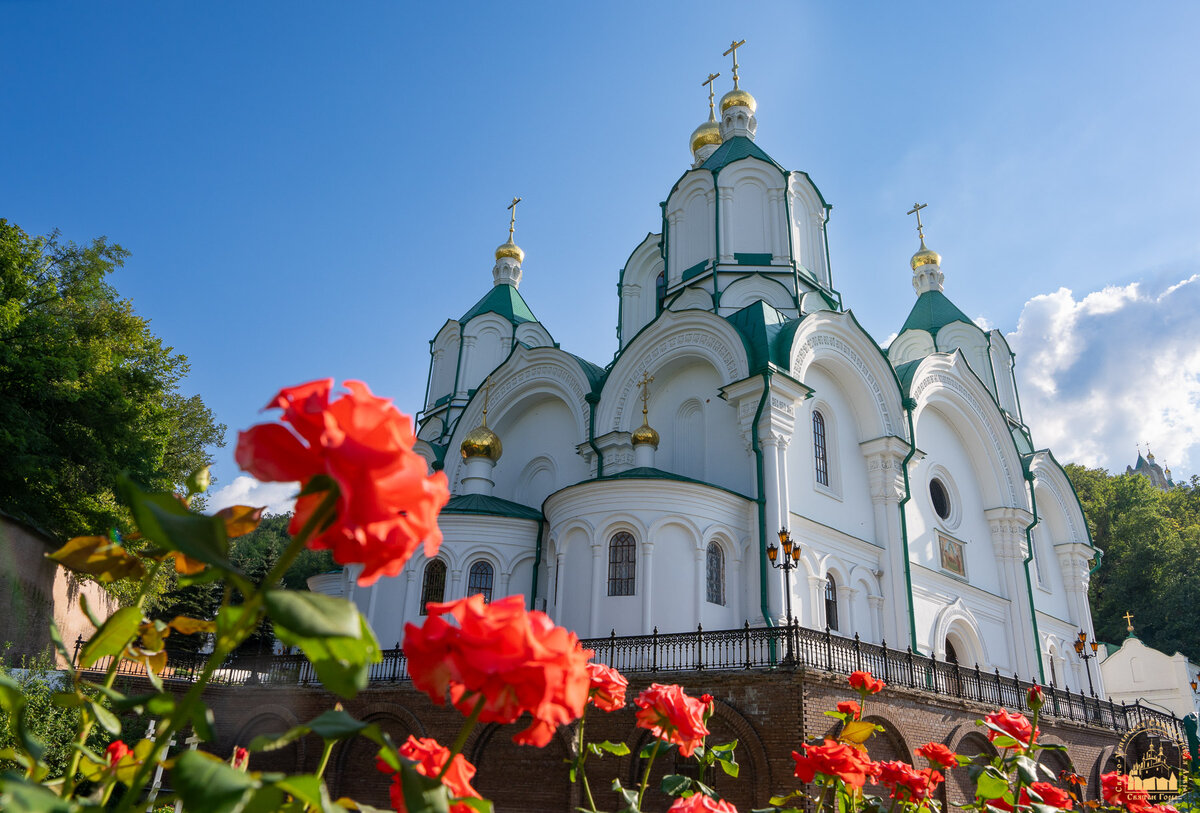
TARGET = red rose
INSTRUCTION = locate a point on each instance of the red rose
(905, 782)
(844, 762)
(1035, 698)
(1015, 726)
(517, 660)
(1049, 795)
(672, 716)
(864, 683)
(938, 755)
(387, 503)
(850, 708)
(116, 751)
(241, 758)
(429, 758)
(607, 691)
(699, 803)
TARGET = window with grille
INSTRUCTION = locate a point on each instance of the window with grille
(433, 585)
(622, 564)
(715, 573)
(831, 608)
(660, 292)
(479, 580)
(820, 449)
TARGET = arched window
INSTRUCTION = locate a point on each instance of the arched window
(660, 291)
(622, 564)
(820, 449)
(831, 610)
(433, 585)
(479, 580)
(715, 574)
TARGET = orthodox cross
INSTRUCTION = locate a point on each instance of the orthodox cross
(512, 223)
(709, 82)
(644, 383)
(733, 46)
(916, 210)
(1128, 620)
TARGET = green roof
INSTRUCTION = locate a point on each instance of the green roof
(504, 300)
(761, 327)
(649, 473)
(904, 375)
(595, 373)
(484, 505)
(735, 149)
(932, 312)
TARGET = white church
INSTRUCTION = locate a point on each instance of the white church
(744, 398)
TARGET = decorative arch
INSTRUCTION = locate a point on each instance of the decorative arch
(693, 298)
(688, 449)
(956, 624)
(1049, 475)
(751, 289)
(529, 491)
(946, 383)
(639, 305)
(911, 345)
(672, 337)
(837, 343)
(265, 720)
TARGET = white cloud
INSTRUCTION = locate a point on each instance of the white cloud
(983, 323)
(279, 498)
(1118, 367)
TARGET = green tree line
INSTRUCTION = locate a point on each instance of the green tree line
(1151, 544)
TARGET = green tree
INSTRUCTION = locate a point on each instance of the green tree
(86, 390)
(1151, 542)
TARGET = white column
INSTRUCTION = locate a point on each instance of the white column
(774, 519)
(412, 595)
(885, 472)
(371, 600)
(503, 586)
(816, 595)
(453, 590)
(725, 199)
(597, 588)
(700, 583)
(876, 604)
(644, 585)
(559, 561)
(852, 621)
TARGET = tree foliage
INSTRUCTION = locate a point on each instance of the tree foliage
(1151, 543)
(86, 390)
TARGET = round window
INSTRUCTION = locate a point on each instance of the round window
(940, 498)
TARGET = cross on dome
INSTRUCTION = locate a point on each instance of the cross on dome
(733, 46)
(644, 435)
(510, 249)
(708, 134)
(737, 97)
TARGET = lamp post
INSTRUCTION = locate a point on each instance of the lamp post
(791, 561)
(1080, 645)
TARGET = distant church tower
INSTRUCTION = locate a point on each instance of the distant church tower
(1156, 474)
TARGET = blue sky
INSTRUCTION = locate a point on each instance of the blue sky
(310, 189)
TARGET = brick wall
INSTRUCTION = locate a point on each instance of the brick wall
(769, 712)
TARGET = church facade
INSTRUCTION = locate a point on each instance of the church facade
(745, 399)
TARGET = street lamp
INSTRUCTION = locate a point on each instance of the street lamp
(791, 561)
(1080, 645)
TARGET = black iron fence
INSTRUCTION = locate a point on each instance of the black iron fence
(793, 647)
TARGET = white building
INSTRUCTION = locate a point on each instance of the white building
(1135, 672)
(925, 514)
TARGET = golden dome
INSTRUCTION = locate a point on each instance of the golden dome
(482, 442)
(925, 256)
(707, 133)
(510, 249)
(645, 434)
(738, 97)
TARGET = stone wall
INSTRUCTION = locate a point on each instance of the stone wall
(769, 712)
(34, 589)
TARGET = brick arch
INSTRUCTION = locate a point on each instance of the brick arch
(751, 789)
(886, 745)
(959, 788)
(1056, 762)
(272, 719)
(1106, 762)
(501, 765)
(354, 759)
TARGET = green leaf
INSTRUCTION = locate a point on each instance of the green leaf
(165, 521)
(67, 700)
(422, 794)
(656, 748)
(113, 636)
(729, 766)
(313, 615)
(98, 556)
(724, 747)
(206, 783)
(706, 790)
(482, 805)
(342, 663)
(12, 700)
(991, 784)
(202, 723)
(56, 638)
(107, 720)
(673, 784)
(618, 749)
(87, 610)
(20, 796)
(308, 788)
(629, 796)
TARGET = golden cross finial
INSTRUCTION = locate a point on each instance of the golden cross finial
(709, 82)
(487, 394)
(916, 210)
(1128, 620)
(733, 46)
(512, 223)
(644, 383)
